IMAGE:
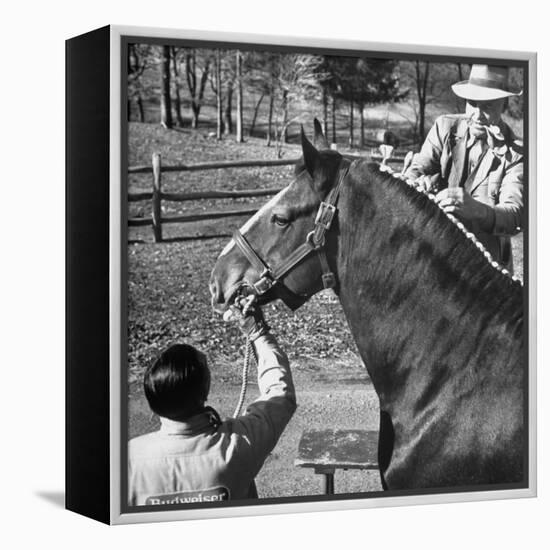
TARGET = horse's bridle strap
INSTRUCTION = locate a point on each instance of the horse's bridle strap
(315, 241)
(250, 253)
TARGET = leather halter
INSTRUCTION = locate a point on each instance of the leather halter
(314, 242)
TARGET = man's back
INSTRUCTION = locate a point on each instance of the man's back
(204, 459)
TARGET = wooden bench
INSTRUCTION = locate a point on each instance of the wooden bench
(329, 450)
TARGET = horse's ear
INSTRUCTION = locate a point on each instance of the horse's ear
(312, 159)
(319, 138)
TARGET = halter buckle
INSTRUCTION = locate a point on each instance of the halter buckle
(315, 240)
(263, 285)
(325, 215)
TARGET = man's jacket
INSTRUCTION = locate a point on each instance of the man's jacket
(497, 181)
(207, 460)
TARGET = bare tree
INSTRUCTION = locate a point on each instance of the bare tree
(295, 78)
(422, 73)
(255, 115)
(177, 103)
(431, 83)
(219, 98)
(239, 82)
(138, 61)
(269, 132)
(228, 111)
(197, 66)
(165, 99)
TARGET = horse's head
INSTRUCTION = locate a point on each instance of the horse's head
(282, 251)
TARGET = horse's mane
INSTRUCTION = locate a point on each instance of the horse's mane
(464, 253)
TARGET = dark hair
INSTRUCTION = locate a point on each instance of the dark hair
(177, 383)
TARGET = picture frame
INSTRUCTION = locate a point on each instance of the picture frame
(98, 231)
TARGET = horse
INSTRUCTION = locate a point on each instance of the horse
(438, 325)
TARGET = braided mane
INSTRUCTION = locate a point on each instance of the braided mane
(425, 204)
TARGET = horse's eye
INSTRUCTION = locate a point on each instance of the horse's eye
(281, 221)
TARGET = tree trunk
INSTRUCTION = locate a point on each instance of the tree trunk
(177, 105)
(270, 117)
(228, 122)
(284, 129)
(351, 140)
(362, 119)
(165, 101)
(195, 112)
(197, 93)
(333, 119)
(239, 136)
(325, 111)
(421, 90)
(141, 111)
(219, 100)
(204, 80)
(459, 102)
(256, 110)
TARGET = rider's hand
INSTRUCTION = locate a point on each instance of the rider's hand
(458, 202)
(427, 183)
(250, 319)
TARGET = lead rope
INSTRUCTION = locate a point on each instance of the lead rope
(244, 377)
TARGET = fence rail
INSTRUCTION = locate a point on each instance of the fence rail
(156, 196)
(146, 169)
(199, 195)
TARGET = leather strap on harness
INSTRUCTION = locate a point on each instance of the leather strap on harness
(315, 241)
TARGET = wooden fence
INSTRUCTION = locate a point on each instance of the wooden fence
(156, 196)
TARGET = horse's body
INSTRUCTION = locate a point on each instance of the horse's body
(438, 327)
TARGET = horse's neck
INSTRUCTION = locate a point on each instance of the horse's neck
(402, 292)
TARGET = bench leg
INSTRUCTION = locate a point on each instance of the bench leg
(328, 483)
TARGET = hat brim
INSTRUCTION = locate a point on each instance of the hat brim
(466, 90)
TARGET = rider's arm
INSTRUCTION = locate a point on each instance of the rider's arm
(428, 161)
(265, 419)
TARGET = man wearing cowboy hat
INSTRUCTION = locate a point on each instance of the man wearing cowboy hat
(475, 163)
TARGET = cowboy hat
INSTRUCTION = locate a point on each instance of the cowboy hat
(486, 82)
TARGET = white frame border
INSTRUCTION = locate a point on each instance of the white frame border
(117, 32)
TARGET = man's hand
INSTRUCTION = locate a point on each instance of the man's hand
(427, 183)
(249, 317)
(460, 204)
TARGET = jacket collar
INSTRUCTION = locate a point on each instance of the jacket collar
(499, 144)
(499, 138)
(206, 420)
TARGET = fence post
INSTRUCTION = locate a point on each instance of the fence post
(157, 221)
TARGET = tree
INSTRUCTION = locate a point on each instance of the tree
(165, 100)
(197, 66)
(177, 103)
(515, 103)
(138, 61)
(228, 111)
(359, 82)
(218, 92)
(239, 83)
(431, 84)
(257, 78)
(294, 77)
(327, 76)
(376, 82)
